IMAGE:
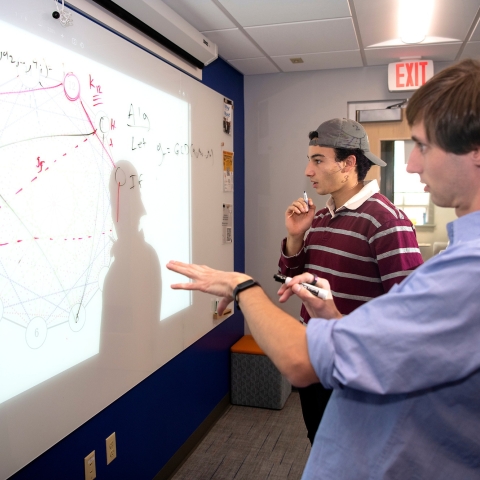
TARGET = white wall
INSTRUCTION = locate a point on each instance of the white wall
(280, 110)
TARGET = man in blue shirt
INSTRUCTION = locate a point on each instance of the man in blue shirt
(404, 367)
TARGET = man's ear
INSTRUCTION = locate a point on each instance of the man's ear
(475, 155)
(350, 163)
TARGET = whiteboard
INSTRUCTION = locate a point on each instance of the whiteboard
(112, 165)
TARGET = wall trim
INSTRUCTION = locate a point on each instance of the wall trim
(182, 454)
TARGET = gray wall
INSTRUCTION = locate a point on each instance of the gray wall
(280, 110)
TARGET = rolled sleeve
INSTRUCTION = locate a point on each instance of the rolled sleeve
(321, 350)
(294, 264)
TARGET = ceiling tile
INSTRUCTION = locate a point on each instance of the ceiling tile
(305, 37)
(438, 53)
(233, 44)
(476, 34)
(254, 66)
(268, 12)
(320, 61)
(377, 19)
(471, 50)
(202, 14)
(462, 11)
(322, 32)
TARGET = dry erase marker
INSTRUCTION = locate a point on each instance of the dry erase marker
(305, 198)
(317, 291)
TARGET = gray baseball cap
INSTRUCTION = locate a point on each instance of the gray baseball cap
(344, 133)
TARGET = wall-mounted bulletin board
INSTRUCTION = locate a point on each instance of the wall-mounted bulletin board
(112, 165)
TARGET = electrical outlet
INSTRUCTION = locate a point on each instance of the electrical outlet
(111, 448)
(90, 469)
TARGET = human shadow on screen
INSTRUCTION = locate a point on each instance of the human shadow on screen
(132, 287)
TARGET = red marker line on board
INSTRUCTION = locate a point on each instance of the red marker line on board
(32, 90)
(38, 238)
(95, 133)
(35, 178)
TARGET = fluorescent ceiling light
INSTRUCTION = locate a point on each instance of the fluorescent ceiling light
(396, 42)
(414, 18)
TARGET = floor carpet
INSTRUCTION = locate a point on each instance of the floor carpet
(251, 443)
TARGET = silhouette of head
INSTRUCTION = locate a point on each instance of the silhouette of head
(125, 198)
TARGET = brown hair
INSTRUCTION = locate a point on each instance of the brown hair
(449, 107)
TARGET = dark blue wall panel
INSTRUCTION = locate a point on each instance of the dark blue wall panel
(154, 419)
(229, 82)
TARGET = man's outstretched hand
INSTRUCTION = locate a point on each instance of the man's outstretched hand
(208, 280)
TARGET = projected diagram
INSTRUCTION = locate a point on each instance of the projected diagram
(65, 123)
(56, 224)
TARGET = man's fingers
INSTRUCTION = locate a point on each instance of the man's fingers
(312, 303)
(298, 207)
(178, 267)
(189, 270)
(223, 305)
(285, 291)
(184, 286)
(284, 295)
(302, 292)
(302, 278)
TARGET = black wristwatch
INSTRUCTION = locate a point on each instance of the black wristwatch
(243, 286)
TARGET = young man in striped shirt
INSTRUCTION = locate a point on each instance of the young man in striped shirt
(360, 242)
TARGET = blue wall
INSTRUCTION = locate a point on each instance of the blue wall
(154, 419)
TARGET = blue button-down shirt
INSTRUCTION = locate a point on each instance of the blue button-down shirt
(405, 369)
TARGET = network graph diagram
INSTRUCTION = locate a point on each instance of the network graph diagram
(56, 222)
(65, 122)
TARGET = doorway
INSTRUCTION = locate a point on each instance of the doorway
(431, 227)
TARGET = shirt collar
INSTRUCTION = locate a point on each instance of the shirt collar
(369, 188)
(464, 228)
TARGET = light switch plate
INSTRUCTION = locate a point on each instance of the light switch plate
(111, 443)
(90, 467)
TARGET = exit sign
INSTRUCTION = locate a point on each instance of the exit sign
(409, 75)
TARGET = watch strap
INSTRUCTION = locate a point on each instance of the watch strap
(241, 287)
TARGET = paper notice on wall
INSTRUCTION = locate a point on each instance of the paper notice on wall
(227, 223)
(227, 116)
(227, 171)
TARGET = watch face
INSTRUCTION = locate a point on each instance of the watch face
(243, 286)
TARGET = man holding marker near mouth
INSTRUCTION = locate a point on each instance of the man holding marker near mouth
(360, 242)
(404, 367)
